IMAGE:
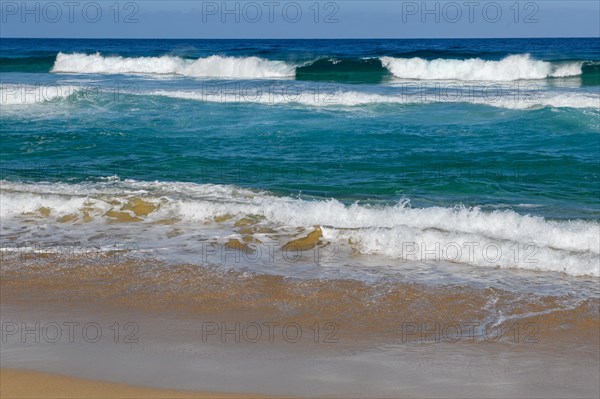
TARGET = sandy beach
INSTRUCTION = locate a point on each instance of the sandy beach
(183, 331)
(23, 384)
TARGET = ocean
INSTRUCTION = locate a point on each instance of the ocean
(427, 160)
(426, 212)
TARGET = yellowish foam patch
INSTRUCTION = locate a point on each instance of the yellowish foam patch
(122, 217)
(223, 218)
(244, 222)
(67, 218)
(251, 220)
(239, 246)
(87, 218)
(139, 207)
(305, 243)
(43, 211)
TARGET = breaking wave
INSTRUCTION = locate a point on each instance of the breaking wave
(513, 67)
(213, 66)
(460, 234)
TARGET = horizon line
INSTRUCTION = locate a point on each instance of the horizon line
(305, 38)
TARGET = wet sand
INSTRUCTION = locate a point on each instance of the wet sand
(363, 312)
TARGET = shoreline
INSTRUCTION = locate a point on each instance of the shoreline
(17, 383)
(363, 313)
(171, 327)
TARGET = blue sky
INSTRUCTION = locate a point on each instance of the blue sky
(299, 19)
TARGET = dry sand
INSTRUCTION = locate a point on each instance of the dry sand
(30, 385)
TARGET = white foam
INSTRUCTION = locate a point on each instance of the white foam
(267, 96)
(513, 67)
(213, 66)
(567, 69)
(509, 100)
(521, 241)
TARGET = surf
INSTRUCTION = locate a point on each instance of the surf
(510, 68)
(213, 66)
(459, 234)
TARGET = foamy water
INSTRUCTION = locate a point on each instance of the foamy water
(459, 235)
(354, 98)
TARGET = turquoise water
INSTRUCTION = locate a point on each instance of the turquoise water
(435, 141)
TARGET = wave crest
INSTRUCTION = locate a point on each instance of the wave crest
(213, 66)
(513, 67)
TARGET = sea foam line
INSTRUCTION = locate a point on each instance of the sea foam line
(396, 231)
(335, 97)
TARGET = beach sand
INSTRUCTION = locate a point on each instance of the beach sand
(553, 354)
(30, 385)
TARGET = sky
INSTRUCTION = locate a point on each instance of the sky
(273, 19)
